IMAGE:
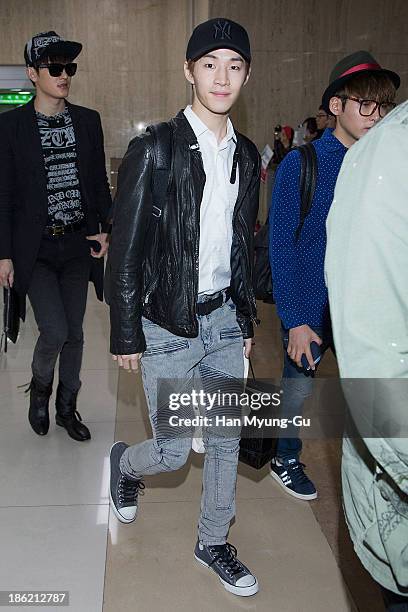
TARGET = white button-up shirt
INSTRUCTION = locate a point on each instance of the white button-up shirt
(217, 206)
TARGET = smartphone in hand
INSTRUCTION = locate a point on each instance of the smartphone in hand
(316, 355)
(95, 245)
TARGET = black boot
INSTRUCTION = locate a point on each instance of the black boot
(67, 415)
(38, 414)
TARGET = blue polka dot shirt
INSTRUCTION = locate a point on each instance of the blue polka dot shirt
(298, 267)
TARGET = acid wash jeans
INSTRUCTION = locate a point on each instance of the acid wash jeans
(206, 363)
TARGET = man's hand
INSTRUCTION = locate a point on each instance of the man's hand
(103, 241)
(130, 363)
(248, 347)
(6, 273)
(299, 342)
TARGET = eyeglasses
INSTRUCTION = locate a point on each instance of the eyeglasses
(368, 107)
(56, 70)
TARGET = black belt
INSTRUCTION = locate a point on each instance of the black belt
(204, 308)
(60, 230)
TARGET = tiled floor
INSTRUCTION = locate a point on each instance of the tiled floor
(54, 507)
(56, 531)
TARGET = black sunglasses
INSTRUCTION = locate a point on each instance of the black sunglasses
(368, 107)
(56, 69)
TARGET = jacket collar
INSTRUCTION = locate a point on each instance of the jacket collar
(33, 146)
(200, 128)
(79, 128)
(184, 130)
(29, 111)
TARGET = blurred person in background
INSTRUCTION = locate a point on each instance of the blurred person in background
(322, 120)
(283, 140)
(310, 129)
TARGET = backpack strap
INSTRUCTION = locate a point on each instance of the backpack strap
(307, 183)
(162, 164)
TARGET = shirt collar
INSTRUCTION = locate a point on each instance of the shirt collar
(63, 113)
(331, 141)
(199, 128)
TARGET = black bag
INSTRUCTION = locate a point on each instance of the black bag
(262, 278)
(11, 316)
(256, 449)
(162, 165)
(161, 175)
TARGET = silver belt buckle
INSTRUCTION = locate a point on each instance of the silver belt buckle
(224, 295)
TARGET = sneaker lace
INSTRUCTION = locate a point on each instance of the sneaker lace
(128, 489)
(297, 472)
(226, 557)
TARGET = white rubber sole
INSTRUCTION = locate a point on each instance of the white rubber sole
(293, 493)
(120, 518)
(240, 591)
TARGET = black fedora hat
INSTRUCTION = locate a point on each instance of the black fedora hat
(346, 68)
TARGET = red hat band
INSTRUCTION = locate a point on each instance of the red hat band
(360, 67)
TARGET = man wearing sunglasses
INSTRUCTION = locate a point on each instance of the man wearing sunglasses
(54, 200)
(359, 94)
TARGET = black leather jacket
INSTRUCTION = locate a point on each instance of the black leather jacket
(154, 263)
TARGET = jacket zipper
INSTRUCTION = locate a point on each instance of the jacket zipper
(152, 283)
(195, 149)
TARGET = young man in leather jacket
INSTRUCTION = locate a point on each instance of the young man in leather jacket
(182, 303)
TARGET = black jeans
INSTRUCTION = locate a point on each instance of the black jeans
(57, 293)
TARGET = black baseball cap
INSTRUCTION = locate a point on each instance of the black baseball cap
(49, 43)
(215, 34)
(356, 63)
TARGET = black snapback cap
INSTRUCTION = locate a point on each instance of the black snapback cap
(49, 43)
(218, 33)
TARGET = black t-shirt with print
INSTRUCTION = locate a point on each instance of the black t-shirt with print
(60, 159)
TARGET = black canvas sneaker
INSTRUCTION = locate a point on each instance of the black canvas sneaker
(123, 491)
(233, 574)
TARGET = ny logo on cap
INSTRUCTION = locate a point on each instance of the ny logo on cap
(222, 30)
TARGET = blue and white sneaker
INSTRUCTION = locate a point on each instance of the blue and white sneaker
(291, 476)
